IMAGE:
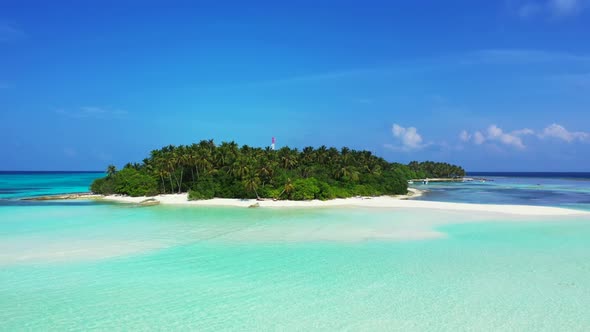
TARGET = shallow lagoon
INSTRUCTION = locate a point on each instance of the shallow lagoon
(112, 266)
(77, 265)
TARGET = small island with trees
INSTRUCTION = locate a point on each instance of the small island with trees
(206, 170)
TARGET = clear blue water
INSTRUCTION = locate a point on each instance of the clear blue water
(26, 184)
(570, 190)
(83, 265)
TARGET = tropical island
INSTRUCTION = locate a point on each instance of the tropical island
(206, 170)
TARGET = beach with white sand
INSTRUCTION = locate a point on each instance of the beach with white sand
(401, 201)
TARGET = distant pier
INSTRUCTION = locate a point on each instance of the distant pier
(463, 179)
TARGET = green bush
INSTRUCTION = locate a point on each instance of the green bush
(268, 192)
(365, 190)
(326, 191)
(342, 192)
(195, 195)
(204, 188)
(273, 193)
(227, 170)
(394, 184)
(103, 186)
(305, 189)
(132, 182)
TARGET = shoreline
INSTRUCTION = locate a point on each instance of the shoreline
(459, 179)
(57, 197)
(400, 201)
(412, 193)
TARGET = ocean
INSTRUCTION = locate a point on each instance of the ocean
(85, 265)
(570, 190)
(20, 184)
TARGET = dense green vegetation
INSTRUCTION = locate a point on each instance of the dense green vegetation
(206, 170)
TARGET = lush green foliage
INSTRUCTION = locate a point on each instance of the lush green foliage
(103, 186)
(206, 170)
(132, 182)
(430, 169)
(128, 181)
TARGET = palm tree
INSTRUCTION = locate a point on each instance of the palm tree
(307, 155)
(226, 153)
(183, 160)
(191, 160)
(111, 170)
(287, 189)
(254, 168)
(170, 171)
(288, 157)
(240, 168)
(373, 169)
(347, 172)
(321, 154)
(203, 160)
(265, 172)
(161, 172)
(251, 183)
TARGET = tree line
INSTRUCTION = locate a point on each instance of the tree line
(206, 170)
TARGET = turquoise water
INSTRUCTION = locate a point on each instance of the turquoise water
(82, 265)
(25, 184)
(545, 189)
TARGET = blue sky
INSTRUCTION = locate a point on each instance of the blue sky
(490, 85)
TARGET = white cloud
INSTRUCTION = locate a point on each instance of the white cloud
(495, 134)
(409, 137)
(494, 131)
(478, 138)
(464, 136)
(559, 132)
(512, 139)
(523, 132)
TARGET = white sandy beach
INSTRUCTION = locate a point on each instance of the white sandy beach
(402, 201)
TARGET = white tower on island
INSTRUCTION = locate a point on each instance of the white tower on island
(272, 146)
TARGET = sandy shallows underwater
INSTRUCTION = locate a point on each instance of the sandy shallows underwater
(47, 233)
(119, 267)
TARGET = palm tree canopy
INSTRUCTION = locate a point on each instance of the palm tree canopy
(228, 170)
